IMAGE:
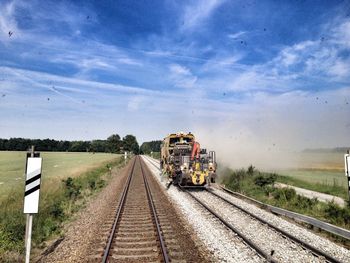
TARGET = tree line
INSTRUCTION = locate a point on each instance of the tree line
(152, 146)
(328, 150)
(113, 144)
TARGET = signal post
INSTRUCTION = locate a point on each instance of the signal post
(347, 171)
(31, 194)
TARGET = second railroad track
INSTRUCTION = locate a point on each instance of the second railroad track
(277, 242)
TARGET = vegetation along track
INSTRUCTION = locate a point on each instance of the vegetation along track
(272, 243)
(145, 226)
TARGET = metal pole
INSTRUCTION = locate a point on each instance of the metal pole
(27, 224)
(28, 236)
(349, 190)
(348, 177)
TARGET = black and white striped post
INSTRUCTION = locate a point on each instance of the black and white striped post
(347, 171)
(31, 194)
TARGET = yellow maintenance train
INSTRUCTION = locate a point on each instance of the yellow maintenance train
(185, 163)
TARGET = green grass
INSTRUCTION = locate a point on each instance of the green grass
(318, 171)
(155, 155)
(55, 165)
(61, 196)
(333, 184)
(325, 177)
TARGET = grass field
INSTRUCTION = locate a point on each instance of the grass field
(326, 177)
(55, 165)
(68, 181)
(322, 172)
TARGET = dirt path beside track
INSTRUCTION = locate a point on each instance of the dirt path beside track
(312, 194)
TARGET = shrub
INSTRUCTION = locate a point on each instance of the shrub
(72, 188)
(251, 170)
(235, 178)
(337, 214)
(286, 194)
(302, 202)
(92, 184)
(263, 180)
(57, 211)
(101, 183)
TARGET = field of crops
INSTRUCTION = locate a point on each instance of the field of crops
(327, 177)
(323, 172)
(55, 165)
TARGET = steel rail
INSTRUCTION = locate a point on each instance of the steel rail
(118, 214)
(305, 245)
(231, 227)
(344, 233)
(155, 216)
(151, 162)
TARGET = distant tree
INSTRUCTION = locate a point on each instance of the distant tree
(152, 146)
(99, 146)
(130, 144)
(63, 146)
(79, 146)
(145, 148)
(114, 143)
(2, 144)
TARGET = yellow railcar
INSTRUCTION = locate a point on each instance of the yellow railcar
(185, 163)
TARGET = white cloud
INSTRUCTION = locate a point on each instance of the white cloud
(94, 63)
(182, 76)
(135, 103)
(342, 33)
(294, 54)
(179, 70)
(129, 61)
(228, 61)
(198, 12)
(236, 36)
(288, 58)
(8, 22)
(72, 84)
(340, 68)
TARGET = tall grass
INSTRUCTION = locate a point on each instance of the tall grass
(260, 186)
(58, 201)
(335, 188)
(155, 155)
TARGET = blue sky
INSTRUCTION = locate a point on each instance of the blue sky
(250, 74)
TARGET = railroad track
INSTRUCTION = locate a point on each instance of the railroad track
(152, 162)
(144, 225)
(262, 250)
(136, 234)
(305, 245)
(269, 241)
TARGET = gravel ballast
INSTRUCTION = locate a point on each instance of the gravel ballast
(272, 242)
(307, 236)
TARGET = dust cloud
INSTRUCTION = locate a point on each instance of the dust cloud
(271, 132)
